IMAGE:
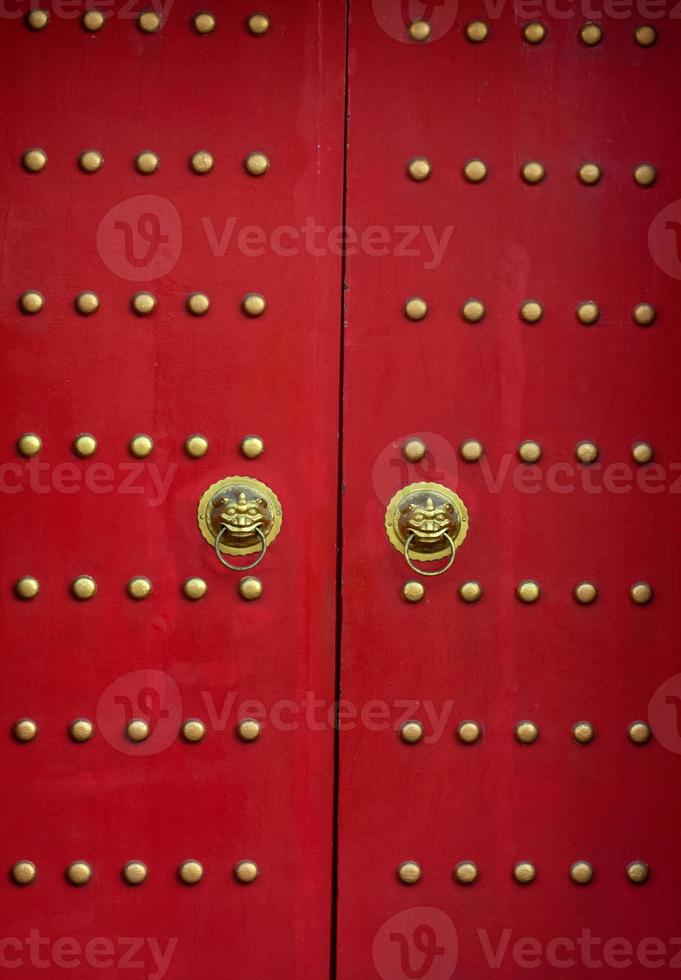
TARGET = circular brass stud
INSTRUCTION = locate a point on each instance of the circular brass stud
(29, 444)
(524, 873)
(585, 592)
(411, 732)
(252, 447)
(253, 304)
(414, 449)
(638, 872)
(526, 732)
(25, 730)
(645, 35)
(27, 587)
(79, 872)
(246, 872)
(91, 160)
(250, 588)
(477, 31)
(419, 168)
(202, 162)
(135, 872)
(87, 303)
(475, 171)
(24, 872)
(641, 593)
(590, 173)
(583, 732)
(141, 445)
(642, 452)
(147, 162)
(529, 451)
(137, 730)
(84, 587)
(191, 872)
(534, 32)
(249, 730)
(143, 303)
(139, 587)
(31, 301)
(639, 732)
(415, 308)
(591, 34)
(471, 450)
(204, 23)
(582, 872)
(532, 172)
(531, 311)
(198, 303)
(93, 20)
(466, 873)
(409, 872)
(193, 730)
(149, 22)
(196, 446)
(34, 160)
(469, 732)
(195, 588)
(588, 312)
(528, 591)
(586, 452)
(258, 24)
(420, 30)
(81, 730)
(473, 310)
(413, 591)
(644, 314)
(37, 20)
(645, 174)
(256, 164)
(470, 591)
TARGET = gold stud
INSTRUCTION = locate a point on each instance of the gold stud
(524, 872)
(25, 730)
(645, 174)
(252, 446)
(642, 452)
(24, 872)
(466, 872)
(588, 312)
(533, 172)
(256, 164)
(87, 303)
(528, 591)
(477, 31)
(91, 161)
(246, 872)
(143, 303)
(470, 591)
(195, 588)
(149, 22)
(645, 35)
(193, 730)
(191, 872)
(85, 444)
(644, 314)
(249, 730)
(590, 173)
(473, 310)
(529, 451)
(415, 308)
(250, 588)
(31, 301)
(414, 450)
(409, 872)
(258, 24)
(413, 591)
(586, 452)
(139, 587)
(84, 587)
(135, 872)
(471, 450)
(641, 593)
(585, 592)
(583, 732)
(137, 730)
(531, 311)
(93, 20)
(202, 162)
(591, 34)
(253, 304)
(81, 730)
(37, 20)
(582, 872)
(535, 32)
(419, 168)
(475, 171)
(469, 732)
(412, 732)
(29, 444)
(198, 303)
(79, 872)
(638, 872)
(147, 162)
(639, 732)
(141, 445)
(420, 30)
(34, 160)
(27, 587)
(526, 732)
(204, 23)
(196, 445)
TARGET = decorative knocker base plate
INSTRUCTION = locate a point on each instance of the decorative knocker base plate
(239, 516)
(426, 522)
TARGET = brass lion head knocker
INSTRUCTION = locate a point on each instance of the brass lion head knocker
(239, 516)
(426, 522)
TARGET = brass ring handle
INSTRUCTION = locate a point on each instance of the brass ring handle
(243, 568)
(419, 571)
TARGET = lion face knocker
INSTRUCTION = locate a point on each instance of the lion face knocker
(239, 516)
(426, 522)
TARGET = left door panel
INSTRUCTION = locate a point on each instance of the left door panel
(105, 510)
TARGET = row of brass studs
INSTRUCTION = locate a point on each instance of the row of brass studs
(466, 872)
(137, 730)
(532, 172)
(134, 872)
(149, 22)
(526, 732)
(84, 587)
(146, 162)
(473, 310)
(529, 451)
(535, 32)
(141, 445)
(142, 303)
(530, 591)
